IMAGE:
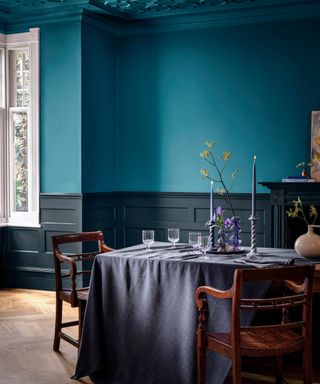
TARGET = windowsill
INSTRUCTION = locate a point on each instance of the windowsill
(22, 225)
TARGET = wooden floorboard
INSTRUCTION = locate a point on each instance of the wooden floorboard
(26, 355)
(26, 334)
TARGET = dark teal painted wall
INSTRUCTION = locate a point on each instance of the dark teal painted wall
(99, 110)
(60, 111)
(251, 88)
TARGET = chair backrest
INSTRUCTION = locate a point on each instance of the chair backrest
(73, 259)
(297, 279)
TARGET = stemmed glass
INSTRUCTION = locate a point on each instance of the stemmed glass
(173, 236)
(204, 245)
(195, 240)
(148, 238)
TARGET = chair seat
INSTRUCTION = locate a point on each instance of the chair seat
(260, 342)
(82, 294)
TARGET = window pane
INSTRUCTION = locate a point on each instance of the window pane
(27, 99)
(26, 62)
(19, 63)
(19, 82)
(21, 86)
(1, 78)
(19, 99)
(20, 129)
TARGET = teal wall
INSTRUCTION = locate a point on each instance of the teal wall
(60, 110)
(132, 112)
(99, 110)
(251, 88)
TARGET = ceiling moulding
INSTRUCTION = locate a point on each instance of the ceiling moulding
(127, 17)
(151, 9)
(25, 13)
(259, 14)
(254, 11)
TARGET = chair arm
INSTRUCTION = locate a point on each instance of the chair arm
(105, 248)
(218, 294)
(70, 261)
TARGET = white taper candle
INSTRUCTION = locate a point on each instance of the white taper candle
(211, 200)
(253, 197)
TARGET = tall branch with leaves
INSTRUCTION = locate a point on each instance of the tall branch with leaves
(297, 212)
(218, 170)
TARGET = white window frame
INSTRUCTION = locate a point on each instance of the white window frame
(3, 140)
(19, 42)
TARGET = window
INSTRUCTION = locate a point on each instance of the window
(19, 128)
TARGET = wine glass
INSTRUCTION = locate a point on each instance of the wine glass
(194, 240)
(148, 238)
(204, 244)
(173, 236)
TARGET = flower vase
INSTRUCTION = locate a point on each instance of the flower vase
(222, 240)
(235, 239)
(308, 245)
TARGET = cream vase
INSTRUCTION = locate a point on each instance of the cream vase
(308, 245)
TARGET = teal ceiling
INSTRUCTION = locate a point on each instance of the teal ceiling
(151, 8)
(11, 10)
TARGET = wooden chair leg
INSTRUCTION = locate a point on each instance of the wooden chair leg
(82, 307)
(307, 365)
(236, 371)
(279, 370)
(58, 322)
(201, 361)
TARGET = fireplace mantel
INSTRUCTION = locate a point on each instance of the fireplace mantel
(281, 197)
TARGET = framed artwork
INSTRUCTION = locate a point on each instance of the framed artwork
(315, 145)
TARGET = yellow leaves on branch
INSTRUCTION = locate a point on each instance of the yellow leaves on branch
(297, 211)
(204, 172)
(205, 154)
(225, 156)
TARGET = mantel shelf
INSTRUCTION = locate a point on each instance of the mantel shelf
(290, 185)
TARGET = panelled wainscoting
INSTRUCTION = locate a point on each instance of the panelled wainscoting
(27, 260)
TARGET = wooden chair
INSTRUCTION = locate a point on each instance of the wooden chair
(263, 340)
(73, 295)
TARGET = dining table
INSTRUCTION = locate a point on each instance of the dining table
(141, 318)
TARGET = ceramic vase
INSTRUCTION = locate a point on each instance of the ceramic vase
(308, 245)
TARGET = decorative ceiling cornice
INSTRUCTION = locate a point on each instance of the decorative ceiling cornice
(142, 9)
(163, 14)
(19, 14)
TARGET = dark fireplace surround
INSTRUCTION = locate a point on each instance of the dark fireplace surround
(284, 230)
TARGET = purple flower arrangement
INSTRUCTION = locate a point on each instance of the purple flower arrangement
(228, 231)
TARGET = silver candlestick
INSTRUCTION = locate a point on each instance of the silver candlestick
(211, 248)
(253, 251)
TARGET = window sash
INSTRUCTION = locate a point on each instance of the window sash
(3, 175)
(11, 45)
(3, 139)
(14, 162)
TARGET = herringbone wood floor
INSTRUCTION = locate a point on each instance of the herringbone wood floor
(26, 355)
(26, 334)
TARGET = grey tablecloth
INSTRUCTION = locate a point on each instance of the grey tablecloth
(141, 316)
